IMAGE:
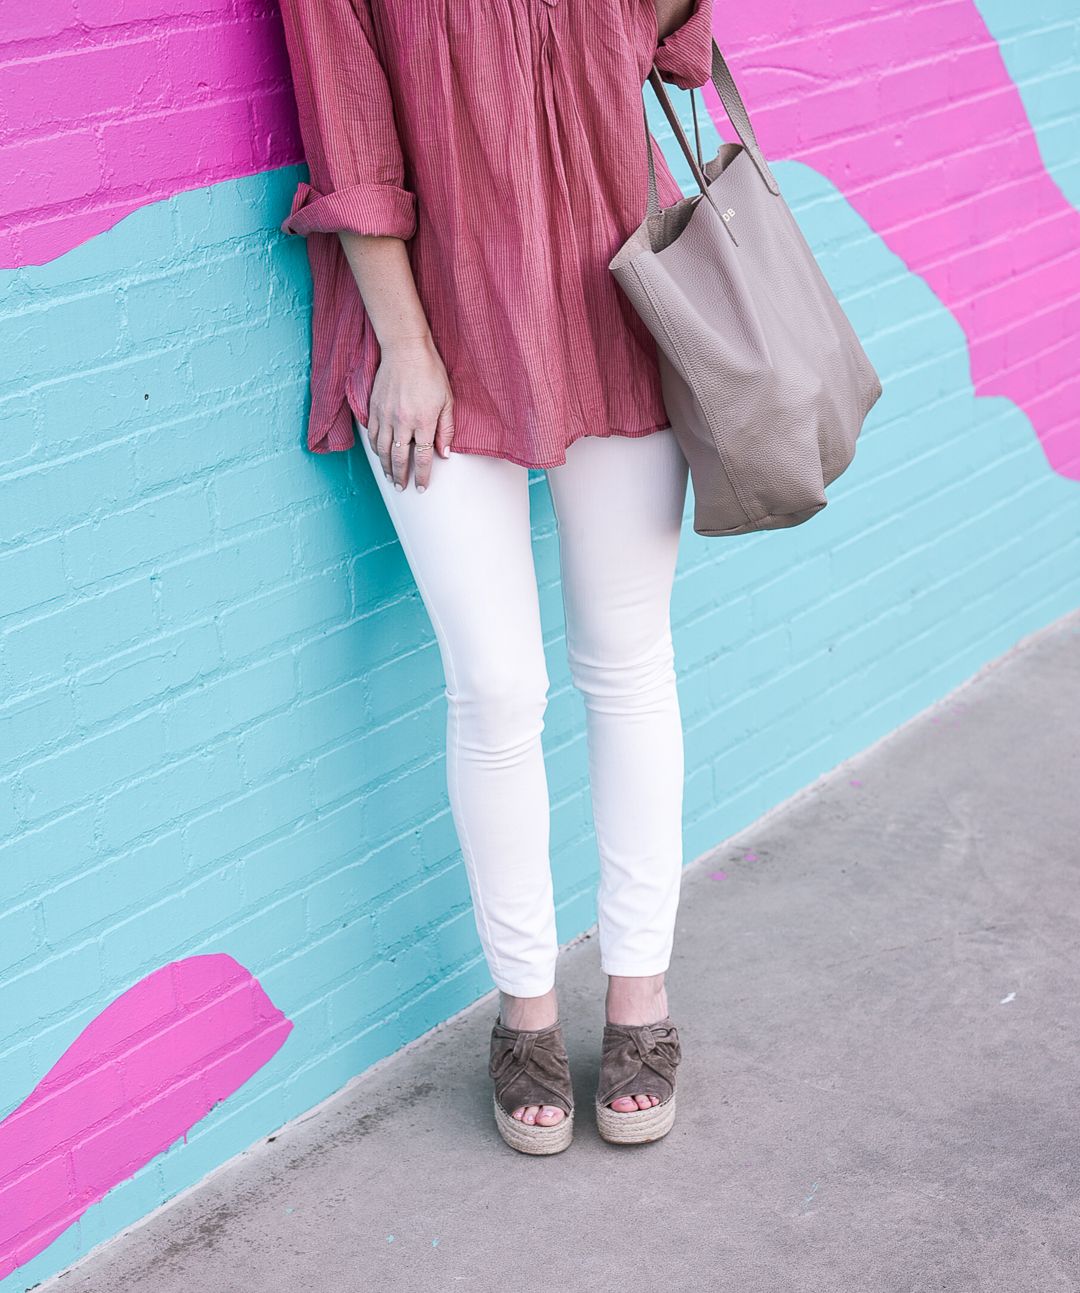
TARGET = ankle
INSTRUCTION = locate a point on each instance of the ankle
(633, 1001)
(529, 1014)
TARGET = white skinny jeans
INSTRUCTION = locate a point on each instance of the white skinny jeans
(619, 505)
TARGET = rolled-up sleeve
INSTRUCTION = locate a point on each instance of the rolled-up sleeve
(347, 124)
(685, 57)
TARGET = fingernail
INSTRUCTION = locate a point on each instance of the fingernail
(446, 453)
(398, 487)
(420, 489)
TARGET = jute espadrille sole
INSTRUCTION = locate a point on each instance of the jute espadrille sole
(534, 1140)
(636, 1128)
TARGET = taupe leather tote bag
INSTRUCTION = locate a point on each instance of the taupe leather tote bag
(764, 380)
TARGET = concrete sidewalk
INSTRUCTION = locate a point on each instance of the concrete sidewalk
(878, 1006)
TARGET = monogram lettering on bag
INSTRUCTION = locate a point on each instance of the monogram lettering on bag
(728, 214)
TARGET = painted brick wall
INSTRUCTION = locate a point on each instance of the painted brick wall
(221, 725)
(106, 105)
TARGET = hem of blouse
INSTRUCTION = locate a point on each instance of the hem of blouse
(606, 434)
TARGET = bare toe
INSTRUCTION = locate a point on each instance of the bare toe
(549, 1116)
(625, 1104)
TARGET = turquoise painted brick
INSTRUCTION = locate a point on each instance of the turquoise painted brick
(68, 841)
(20, 936)
(413, 679)
(114, 397)
(317, 721)
(168, 796)
(163, 931)
(30, 576)
(282, 615)
(20, 417)
(56, 495)
(202, 297)
(33, 723)
(233, 356)
(136, 537)
(268, 488)
(354, 888)
(421, 906)
(44, 648)
(173, 445)
(230, 703)
(222, 575)
(461, 987)
(17, 1076)
(340, 774)
(438, 839)
(333, 658)
(50, 988)
(330, 533)
(93, 766)
(408, 799)
(97, 896)
(147, 672)
(57, 337)
(259, 938)
(379, 576)
(241, 822)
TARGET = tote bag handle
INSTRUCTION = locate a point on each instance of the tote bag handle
(728, 92)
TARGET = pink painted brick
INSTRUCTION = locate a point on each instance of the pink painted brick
(60, 1119)
(21, 1195)
(40, 172)
(224, 1074)
(196, 1036)
(37, 21)
(201, 979)
(112, 13)
(65, 89)
(154, 153)
(975, 70)
(914, 87)
(120, 1149)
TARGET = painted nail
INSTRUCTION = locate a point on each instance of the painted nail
(420, 489)
(398, 487)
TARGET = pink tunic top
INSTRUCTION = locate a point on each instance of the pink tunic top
(505, 140)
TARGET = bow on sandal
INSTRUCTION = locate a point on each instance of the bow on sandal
(531, 1068)
(638, 1061)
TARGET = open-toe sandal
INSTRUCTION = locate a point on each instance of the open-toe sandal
(637, 1061)
(531, 1068)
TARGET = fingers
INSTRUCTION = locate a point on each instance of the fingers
(423, 457)
(444, 430)
(399, 457)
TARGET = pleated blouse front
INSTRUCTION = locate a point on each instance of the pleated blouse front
(504, 140)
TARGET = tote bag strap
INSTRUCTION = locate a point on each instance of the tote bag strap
(728, 92)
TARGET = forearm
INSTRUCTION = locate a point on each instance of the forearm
(385, 279)
(671, 14)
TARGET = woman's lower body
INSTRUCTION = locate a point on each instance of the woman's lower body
(468, 540)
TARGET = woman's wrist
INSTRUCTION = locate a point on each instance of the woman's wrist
(407, 347)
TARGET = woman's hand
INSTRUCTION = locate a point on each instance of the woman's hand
(411, 411)
(410, 403)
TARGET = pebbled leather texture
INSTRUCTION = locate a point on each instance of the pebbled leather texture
(764, 380)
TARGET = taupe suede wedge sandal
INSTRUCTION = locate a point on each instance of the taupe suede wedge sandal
(638, 1061)
(531, 1068)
